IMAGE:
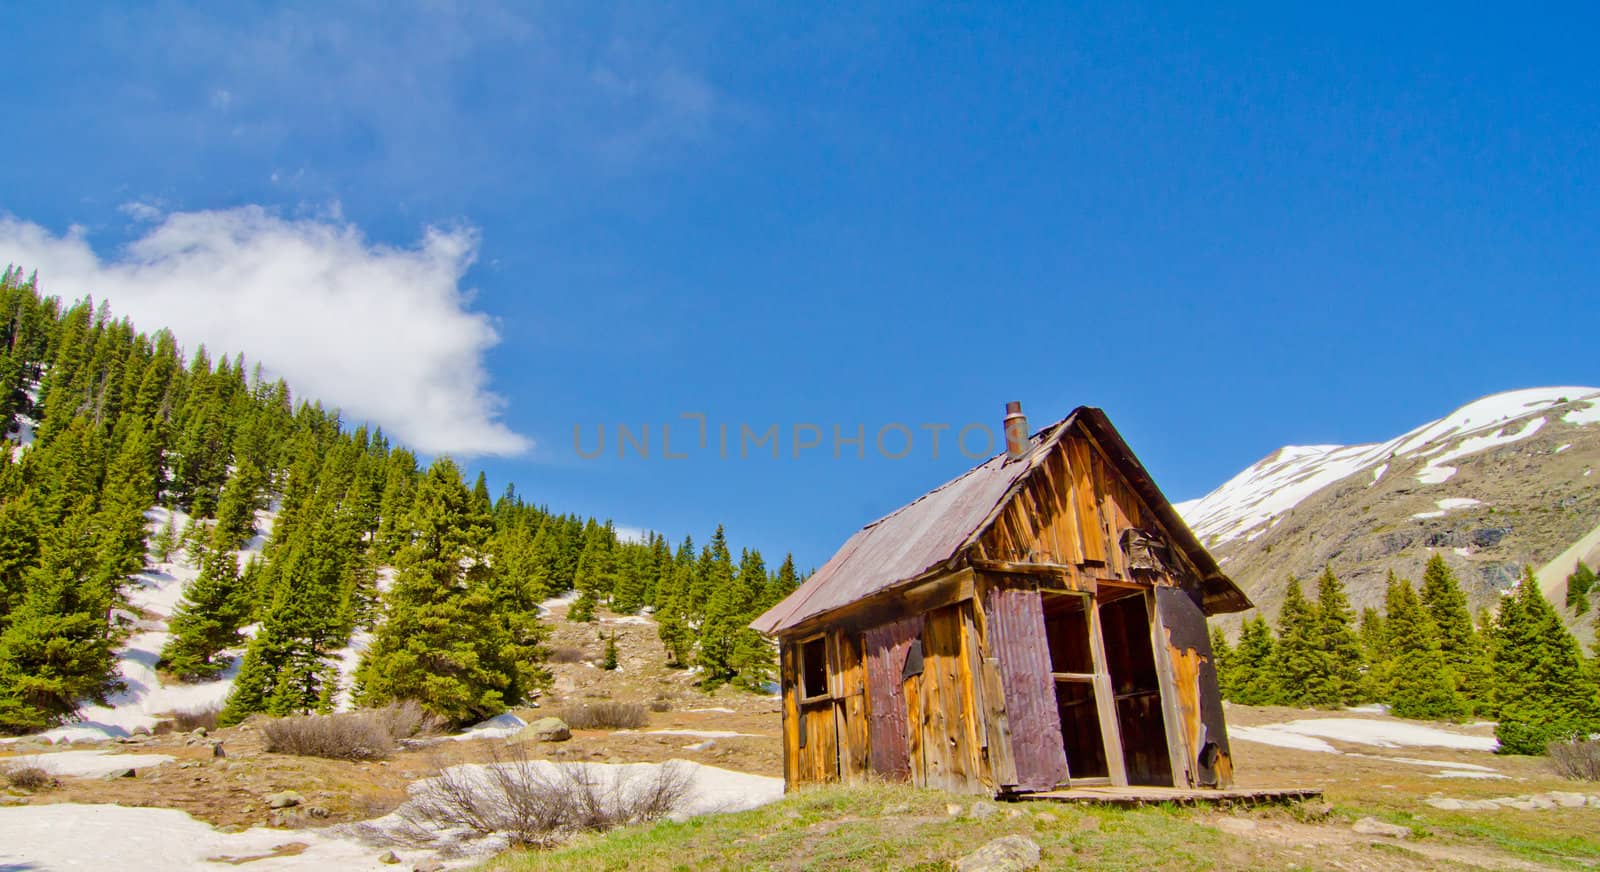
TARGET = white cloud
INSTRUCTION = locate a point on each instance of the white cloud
(386, 334)
(631, 534)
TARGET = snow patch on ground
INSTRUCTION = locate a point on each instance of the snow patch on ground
(77, 836)
(501, 726)
(1436, 471)
(1423, 516)
(86, 764)
(1378, 474)
(1589, 414)
(1465, 773)
(1383, 734)
(1278, 738)
(640, 620)
(699, 734)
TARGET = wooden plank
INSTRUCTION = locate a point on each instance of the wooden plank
(918, 597)
(911, 691)
(850, 710)
(1194, 681)
(1130, 797)
(1017, 637)
(997, 725)
(1179, 751)
(1105, 702)
(789, 684)
(1090, 533)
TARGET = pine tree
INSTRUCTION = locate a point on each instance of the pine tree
(672, 623)
(1252, 679)
(1338, 682)
(441, 643)
(236, 510)
(207, 620)
(1579, 583)
(1222, 659)
(1298, 664)
(610, 662)
(1542, 689)
(57, 648)
(166, 540)
(783, 584)
(1463, 648)
(1421, 683)
(1375, 652)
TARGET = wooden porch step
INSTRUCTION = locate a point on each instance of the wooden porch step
(1132, 797)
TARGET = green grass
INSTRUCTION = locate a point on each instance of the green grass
(892, 827)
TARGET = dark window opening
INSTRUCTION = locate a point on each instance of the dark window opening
(1066, 626)
(1080, 730)
(814, 668)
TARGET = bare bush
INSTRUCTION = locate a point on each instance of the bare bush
(661, 704)
(539, 804)
(1576, 759)
(567, 654)
(28, 777)
(605, 715)
(190, 719)
(371, 734)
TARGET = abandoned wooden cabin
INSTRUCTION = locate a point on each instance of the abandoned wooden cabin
(1037, 623)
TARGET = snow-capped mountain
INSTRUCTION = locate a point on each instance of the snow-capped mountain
(1502, 481)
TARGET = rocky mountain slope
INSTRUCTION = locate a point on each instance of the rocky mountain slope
(1501, 482)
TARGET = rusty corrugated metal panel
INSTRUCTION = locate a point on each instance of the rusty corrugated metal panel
(904, 544)
(937, 526)
(1017, 635)
(886, 648)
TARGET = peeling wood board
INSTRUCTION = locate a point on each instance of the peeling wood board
(1194, 681)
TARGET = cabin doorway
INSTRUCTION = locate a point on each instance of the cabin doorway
(1107, 686)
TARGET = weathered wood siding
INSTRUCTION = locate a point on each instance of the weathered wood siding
(1194, 683)
(885, 659)
(1072, 513)
(850, 707)
(1016, 635)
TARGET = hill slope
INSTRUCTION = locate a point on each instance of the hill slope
(1498, 483)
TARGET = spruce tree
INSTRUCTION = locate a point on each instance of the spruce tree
(207, 620)
(1374, 642)
(1579, 583)
(441, 643)
(1421, 682)
(1338, 682)
(672, 623)
(1542, 689)
(610, 662)
(1222, 660)
(1252, 680)
(1298, 665)
(1465, 651)
(57, 648)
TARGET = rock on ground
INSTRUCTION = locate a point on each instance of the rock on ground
(545, 730)
(1005, 854)
(1371, 826)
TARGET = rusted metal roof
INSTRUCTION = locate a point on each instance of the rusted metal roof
(933, 529)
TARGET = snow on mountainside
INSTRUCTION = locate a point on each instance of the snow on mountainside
(1277, 483)
(1500, 482)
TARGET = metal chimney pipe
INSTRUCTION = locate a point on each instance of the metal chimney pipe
(1016, 426)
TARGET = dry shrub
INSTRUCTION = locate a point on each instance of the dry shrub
(371, 734)
(190, 719)
(537, 804)
(605, 715)
(567, 654)
(661, 704)
(1576, 759)
(28, 777)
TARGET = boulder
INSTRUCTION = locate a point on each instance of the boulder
(1371, 826)
(1005, 854)
(284, 799)
(389, 857)
(216, 750)
(1447, 804)
(544, 730)
(1568, 800)
(120, 773)
(982, 809)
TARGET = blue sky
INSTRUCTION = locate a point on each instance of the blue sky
(1232, 229)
